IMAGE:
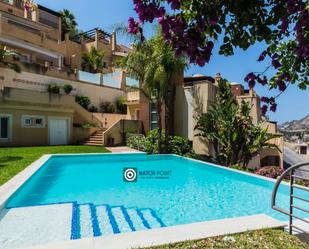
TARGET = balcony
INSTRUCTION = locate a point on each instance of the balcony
(133, 97)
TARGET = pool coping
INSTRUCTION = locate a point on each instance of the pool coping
(172, 234)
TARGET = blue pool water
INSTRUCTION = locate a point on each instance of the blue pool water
(177, 190)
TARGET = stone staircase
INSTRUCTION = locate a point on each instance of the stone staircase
(95, 139)
(89, 220)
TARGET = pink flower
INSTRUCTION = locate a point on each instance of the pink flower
(133, 26)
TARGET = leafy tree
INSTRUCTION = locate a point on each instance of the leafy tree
(5, 54)
(68, 23)
(92, 61)
(228, 127)
(193, 28)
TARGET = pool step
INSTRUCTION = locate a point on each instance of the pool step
(105, 220)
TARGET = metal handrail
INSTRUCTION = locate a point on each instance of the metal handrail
(290, 172)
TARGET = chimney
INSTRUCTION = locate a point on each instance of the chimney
(217, 78)
(114, 41)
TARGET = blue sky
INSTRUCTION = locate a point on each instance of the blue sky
(293, 104)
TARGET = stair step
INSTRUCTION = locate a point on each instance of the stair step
(86, 229)
(104, 220)
(123, 221)
(136, 219)
(94, 140)
(92, 144)
(151, 218)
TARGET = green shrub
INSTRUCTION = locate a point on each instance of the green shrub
(107, 107)
(93, 109)
(152, 142)
(67, 89)
(121, 105)
(53, 88)
(83, 101)
(136, 141)
(176, 145)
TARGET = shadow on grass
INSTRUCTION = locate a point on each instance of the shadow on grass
(7, 159)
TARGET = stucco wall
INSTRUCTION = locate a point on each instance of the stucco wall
(190, 102)
(19, 102)
(31, 136)
(30, 81)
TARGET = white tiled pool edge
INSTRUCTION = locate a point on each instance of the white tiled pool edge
(173, 234)
(9, 188)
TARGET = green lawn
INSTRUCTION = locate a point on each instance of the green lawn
(14, 160)
(263, 239)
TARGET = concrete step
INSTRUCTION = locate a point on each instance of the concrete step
(93, 144)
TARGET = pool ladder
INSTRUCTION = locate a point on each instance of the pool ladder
(293, 173)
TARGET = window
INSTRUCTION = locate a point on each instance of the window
(5, 126)
(153, 117)
(33, 121)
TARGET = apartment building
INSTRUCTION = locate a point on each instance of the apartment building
(28, 114)
(195, 95)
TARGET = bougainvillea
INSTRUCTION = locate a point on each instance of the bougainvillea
(193, 27)
(270, 171)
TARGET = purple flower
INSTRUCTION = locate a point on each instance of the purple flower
(175, 4)
(265, 99)
(281, 85)
(263, 81)
(213, 21)
(273, 107)
(250, 76)
(262, 56)
(284, 24)
(264, 109)
(133, 26)
(275, 62)
(251, 83)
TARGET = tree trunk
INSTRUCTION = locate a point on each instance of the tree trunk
(169, 112)
(159, 127)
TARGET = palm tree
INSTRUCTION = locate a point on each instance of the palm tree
(4, 55)
(68, 23)
(154, 64)
(92, 61)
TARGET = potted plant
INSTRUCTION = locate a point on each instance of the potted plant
(52, 88)
(67, 89)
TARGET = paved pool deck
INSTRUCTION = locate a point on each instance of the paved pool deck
(122, 149)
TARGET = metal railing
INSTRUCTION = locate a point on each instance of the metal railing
(291, 173)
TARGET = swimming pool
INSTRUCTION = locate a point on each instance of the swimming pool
(130, 192)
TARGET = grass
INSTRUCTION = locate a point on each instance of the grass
(14, 160)
(268, 239)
